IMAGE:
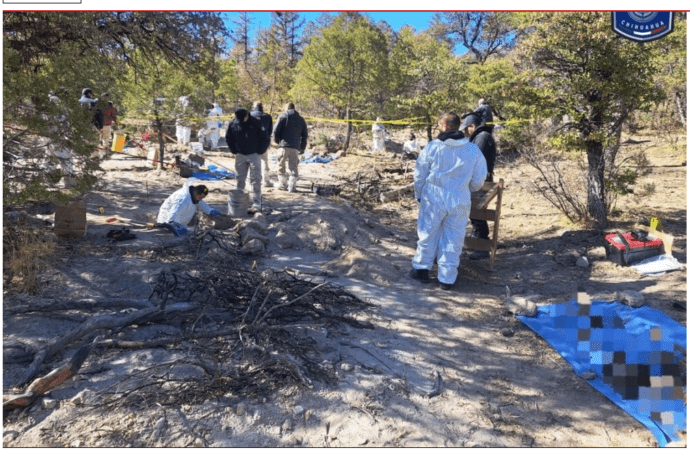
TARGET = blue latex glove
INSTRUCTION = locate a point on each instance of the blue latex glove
(214, 212)
(178, 229)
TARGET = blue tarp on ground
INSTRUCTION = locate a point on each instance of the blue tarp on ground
(214, 173)
(318, 159)
(632, 353)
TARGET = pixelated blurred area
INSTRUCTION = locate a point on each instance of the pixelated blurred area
(637, 356)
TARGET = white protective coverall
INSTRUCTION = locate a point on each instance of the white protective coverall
(378, 131)
(411, 147)
(446, 172)
(213, 126)
(183, 132)
(179, 207)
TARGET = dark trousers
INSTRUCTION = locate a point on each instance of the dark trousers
(480, 229)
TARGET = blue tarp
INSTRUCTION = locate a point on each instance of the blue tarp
(214, 173)
(318, 159)
(632, 353)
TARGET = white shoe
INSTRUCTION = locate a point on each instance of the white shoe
(292, 187)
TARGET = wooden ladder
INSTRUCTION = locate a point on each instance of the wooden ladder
(480, 203)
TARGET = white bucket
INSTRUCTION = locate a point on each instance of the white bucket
(238, 203)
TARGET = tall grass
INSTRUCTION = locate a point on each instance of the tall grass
(26, 252)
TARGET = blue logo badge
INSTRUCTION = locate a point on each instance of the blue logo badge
(642, 26)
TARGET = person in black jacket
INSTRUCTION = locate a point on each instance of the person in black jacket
(485, 112)
(247, 140)
(267, 122)
(480, 134)
(291, 136)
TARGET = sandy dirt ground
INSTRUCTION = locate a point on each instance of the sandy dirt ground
(435, 368)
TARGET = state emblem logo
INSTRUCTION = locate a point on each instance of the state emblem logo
(642, 26)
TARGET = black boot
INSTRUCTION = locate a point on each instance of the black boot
(420, 275)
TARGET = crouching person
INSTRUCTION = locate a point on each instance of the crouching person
(179, 209)
(449, 168)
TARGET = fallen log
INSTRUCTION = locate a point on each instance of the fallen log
(98, 323)
(81, 304)
(49, 382)
(396, 194)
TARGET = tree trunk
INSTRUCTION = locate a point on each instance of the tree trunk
(680, 105)
(596, 199)
(428, 129)
(161, 143)
(349, 129)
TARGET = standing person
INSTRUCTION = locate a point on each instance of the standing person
(178, 210)
(485, 113)
(109, 118)
(449, 168)
(267, 123)
(291, 136)
(247, 140)
(378, 132)
(213, 126)
(87, 98)
(183, 132)
(480, 135)
(98, 119)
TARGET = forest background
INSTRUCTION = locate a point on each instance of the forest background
(560, 83)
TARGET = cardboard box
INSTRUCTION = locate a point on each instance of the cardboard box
(70, 219)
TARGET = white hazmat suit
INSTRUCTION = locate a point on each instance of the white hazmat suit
(378, 131)
(213, 126)
(183, 132)
(446, 172)
(179, 208)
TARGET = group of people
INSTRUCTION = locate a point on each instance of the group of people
(104, 114)
(450, 168)
(248, 137)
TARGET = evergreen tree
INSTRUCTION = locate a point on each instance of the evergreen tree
(429, 79)
(62, 53)
(594, 77)
(347, 64)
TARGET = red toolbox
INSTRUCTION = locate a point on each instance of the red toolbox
(624, 249)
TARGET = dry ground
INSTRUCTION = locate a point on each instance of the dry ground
(495, 390)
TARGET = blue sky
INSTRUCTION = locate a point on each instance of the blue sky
(419, 20)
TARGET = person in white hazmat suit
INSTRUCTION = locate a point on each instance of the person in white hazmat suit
(378, 131)
(448, 170)
(213, 126)
(183, 132)
(178, 210)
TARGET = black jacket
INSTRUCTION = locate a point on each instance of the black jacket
(482, 138)
(98, 119)
(247, 137)
(267, 124)
(291, 131)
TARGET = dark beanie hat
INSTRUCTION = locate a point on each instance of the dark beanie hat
(240, 114)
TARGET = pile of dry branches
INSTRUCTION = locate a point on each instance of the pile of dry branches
(249, 332)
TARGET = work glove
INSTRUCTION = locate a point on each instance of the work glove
(178, 229)
(214, 212)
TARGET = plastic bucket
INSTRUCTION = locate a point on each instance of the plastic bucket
(238, 203)
(118, 142)
(197, 147)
